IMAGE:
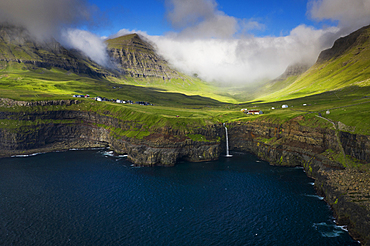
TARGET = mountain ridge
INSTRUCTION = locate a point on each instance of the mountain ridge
(138, 58)
(345, 64)
(17, 46)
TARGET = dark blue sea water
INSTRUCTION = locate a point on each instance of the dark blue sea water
(89, 198)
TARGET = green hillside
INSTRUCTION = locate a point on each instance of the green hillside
(19, 50)
(346, 64)
(142, 66)
(338, 82)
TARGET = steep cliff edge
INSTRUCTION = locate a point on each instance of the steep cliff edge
(43, 131)
(345, 188)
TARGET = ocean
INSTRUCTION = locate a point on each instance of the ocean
(91, 197)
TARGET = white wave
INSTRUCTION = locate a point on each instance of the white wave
(298, 167)
(108, 153)
(344, 227)
(329, 230)
(28, 155)
(315, 196)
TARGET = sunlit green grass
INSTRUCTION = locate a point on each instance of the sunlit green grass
(350, 69)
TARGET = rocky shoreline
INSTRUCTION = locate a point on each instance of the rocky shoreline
(346, 190)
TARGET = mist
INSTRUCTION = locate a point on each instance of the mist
(205, 40)
(246, 59)
(90, 44)
(46, 19)
(219, 48)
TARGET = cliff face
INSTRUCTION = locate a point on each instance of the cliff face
(293, 70)
(138, 58)
(81, 130)
(346, 189)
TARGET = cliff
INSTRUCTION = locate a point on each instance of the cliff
(345, 188)
(337, 159)
(138, 58)
(67, 129)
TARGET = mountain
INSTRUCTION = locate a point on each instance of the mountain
(138, 58)
(355, 40)
(19, 49)
(293, 70)
(343, 66)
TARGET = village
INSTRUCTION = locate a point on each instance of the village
(255, 112)
(103, 99)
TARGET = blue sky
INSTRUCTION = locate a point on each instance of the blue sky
(225, 41)
(278, 17)
(231, 41)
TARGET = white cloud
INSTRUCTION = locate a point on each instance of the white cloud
(88, 43)
(243, 60)
(45, 18)
(351, 14)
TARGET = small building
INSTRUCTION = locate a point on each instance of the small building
(244, 109)
(118, 101)
(327, 112)
(304, 104)
(254, 112)
(99, 99)
(273, 108)
(284, 106)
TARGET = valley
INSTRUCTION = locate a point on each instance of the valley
(325, 128)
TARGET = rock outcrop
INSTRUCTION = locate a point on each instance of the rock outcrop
(138, 58)
(81, 130)
(346, 189)
(293, 70)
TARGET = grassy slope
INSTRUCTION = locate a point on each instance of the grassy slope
(180, 83)
(340, 85)
(350, 69)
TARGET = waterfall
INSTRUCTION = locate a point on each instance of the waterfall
(227, 143)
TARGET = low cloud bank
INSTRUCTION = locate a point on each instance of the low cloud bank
(206, 41)
(90, 44)
(46, 19)
(350, 14)
(217, 47)
(244, 60)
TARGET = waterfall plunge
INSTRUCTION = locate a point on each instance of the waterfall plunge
(227, 143)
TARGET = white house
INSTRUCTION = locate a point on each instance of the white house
(284, 106)
(118, 101)
(98, 99)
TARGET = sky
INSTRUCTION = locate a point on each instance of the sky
(278, 17)
(222, 41)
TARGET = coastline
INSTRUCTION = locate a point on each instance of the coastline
(346, 189)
